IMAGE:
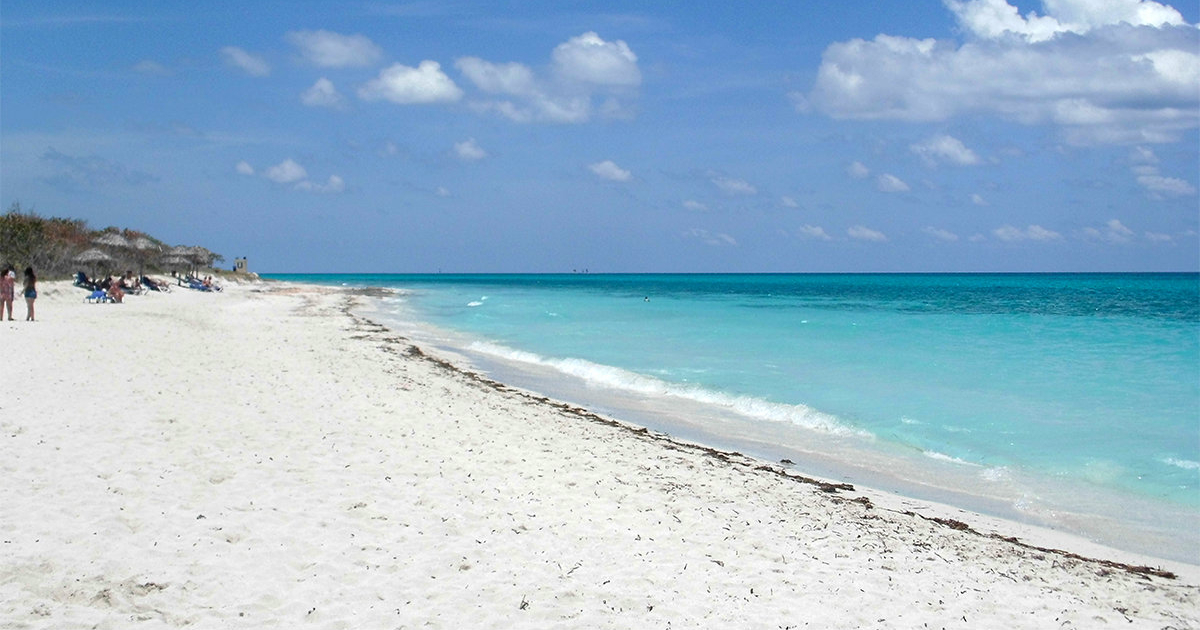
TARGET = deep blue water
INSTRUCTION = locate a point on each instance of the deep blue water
(1083, 380)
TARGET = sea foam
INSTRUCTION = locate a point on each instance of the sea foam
(598, 375)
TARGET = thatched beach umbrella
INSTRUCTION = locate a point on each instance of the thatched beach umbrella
(111, 239)
(144, 248)
(93, 257)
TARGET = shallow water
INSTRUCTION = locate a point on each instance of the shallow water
(1065, 398)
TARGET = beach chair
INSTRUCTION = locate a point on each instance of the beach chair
(81, 281)
(99, 296)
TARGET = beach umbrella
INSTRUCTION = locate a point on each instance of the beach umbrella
(111, 239)
(143, 247)
(176, 261)
(144, 244)
(92, 258)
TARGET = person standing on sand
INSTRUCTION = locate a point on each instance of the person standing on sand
(8, 280)
(30, 293)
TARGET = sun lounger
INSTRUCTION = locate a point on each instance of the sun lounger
(98, 297)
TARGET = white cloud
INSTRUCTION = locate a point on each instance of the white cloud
(718, 239)
(978, 199)
(498, 78)
(252, 65)
(1145, 170)
(401, 84)
(731, 186)
(589, 59)
(333, 50)
(1104, 71)
(322, 94)
(813, 232)
(889, 183)
(442, 191)
(1112, 232)
(244, 168)
(863, 233)
(152, 68)
(694, 206)
(1143, 155)
(940, 234)
(858, 171)
(788, 202)
(1010, 234)
(334, 185)
(996, 19)
(1159, 186)
(945, 149)
(584, 69)
(1159, 237)
(469, 150)
(610, 171)
(286, 172)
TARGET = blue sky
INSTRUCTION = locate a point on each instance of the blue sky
(929, 135)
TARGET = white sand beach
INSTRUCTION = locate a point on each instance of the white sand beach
(265, 457)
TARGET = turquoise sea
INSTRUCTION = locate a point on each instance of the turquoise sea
(1065, 400)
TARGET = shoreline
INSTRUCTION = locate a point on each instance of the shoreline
(265, 457)
(1041, 508)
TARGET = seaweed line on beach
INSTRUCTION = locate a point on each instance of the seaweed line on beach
(374, 331)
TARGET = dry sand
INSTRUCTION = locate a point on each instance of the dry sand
(265, 458)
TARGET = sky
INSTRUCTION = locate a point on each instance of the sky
(534, 136)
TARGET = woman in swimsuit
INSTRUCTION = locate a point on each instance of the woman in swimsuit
(30, 292)
(7, 281)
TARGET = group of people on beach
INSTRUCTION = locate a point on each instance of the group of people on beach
(8, 282)
(116, 288)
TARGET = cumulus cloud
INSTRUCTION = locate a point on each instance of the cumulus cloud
(1159, 186)
(286, 172)
(732, 186)
(252, 65)
(588, 77)
(718, 239)
(333, 50)
(1145, 170)
(1112, 232)
(291, 172)
(244, 168)
(1010, 234)
(402, 84)
(889, 183)
(469, 150)
(589, 59)
(1111, 71)
(940, 234)
(858, 170)
(334, 185)
(863, 233)
(813, 232)
(943, 149)
(498, 78)
(978, 199)
(694, 206)
(788, 202)
(994, 19)
(610, 171)
(322, 94)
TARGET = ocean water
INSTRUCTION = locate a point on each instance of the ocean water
(1068, 400)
